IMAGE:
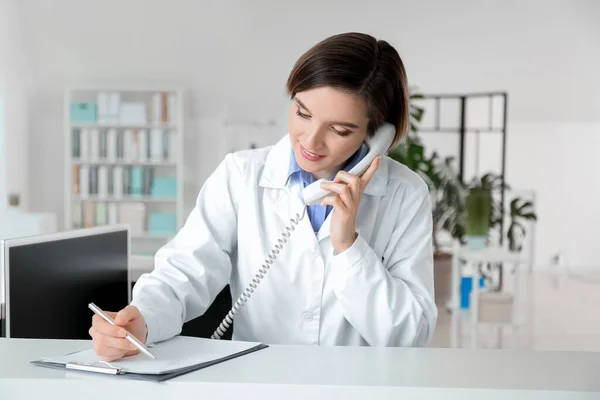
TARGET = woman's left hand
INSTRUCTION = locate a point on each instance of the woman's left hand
(349, 189)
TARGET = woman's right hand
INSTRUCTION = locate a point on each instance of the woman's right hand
(109, 341)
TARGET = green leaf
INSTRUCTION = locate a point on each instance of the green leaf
(530, 216)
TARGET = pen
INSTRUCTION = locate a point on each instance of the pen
(128, 336)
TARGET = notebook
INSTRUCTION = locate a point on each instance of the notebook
(174, 357)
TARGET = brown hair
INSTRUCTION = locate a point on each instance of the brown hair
(359, 64)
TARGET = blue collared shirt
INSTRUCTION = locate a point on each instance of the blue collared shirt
(318, 213)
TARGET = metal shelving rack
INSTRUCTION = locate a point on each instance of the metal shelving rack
(462, 130)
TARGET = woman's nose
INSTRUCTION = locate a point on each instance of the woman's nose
(313, 140)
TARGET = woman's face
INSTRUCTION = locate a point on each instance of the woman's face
(327, 126)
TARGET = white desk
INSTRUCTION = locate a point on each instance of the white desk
(311, 372)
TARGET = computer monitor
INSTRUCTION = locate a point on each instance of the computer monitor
(47, 281)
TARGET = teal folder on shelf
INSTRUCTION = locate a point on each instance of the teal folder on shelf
(162, 224)
(137, 181)
(164, 187)
(83, 113)
(174, 357)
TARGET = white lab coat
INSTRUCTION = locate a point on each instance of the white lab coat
(379, 292)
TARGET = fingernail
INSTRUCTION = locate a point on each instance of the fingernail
(123, 332)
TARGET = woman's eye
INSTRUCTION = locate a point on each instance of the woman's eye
(341, 133)
(302, 115)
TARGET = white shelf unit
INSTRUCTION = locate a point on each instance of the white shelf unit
(128, 113)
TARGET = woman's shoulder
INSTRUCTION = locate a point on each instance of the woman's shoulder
(246, 162)
(401, 177)
(245, 158)
(257, 155)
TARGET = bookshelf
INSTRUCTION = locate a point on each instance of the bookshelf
(124, 162)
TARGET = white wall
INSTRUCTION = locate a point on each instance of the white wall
(15, 85)
(3, 205)
(235, 56)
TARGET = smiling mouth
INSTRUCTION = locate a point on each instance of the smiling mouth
(310, 156)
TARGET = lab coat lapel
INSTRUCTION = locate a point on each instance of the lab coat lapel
(285, 204)
(289, 207)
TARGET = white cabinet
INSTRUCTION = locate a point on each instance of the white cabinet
(124, 162)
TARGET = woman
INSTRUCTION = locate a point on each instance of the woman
(357, 269)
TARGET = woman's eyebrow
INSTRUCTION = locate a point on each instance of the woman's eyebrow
(342, 123)
(301, 104)
(346, 124)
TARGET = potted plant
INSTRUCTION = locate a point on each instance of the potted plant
(478, 215)
(520, 211)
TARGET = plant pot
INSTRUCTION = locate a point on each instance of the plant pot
(442, 278)
(478, 208)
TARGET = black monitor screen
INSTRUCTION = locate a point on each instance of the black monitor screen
(52, 283)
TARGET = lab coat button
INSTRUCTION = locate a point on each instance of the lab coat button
(307, 316)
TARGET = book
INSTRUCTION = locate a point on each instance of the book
(103, 181)
(103, 108)
(142, 148)
(75, 186)
(84, 147)
(172, 108)
(117, 182)
(137, 181)
(114, 108)
(113, 214)
(128, 145)
(89, 219)
(84, 181)
(101, 214)
(111, 145)
(156, 145)
(103, 144)
(164, 108)
(76, 215)
(148, 178)
(94, 143)
(156, 108)
(76, 149)
(93, 188)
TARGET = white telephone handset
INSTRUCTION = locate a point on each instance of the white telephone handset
(378, 144)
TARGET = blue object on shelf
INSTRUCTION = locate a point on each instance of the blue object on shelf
(164, 187)
(137, 181)
(83, 113)
(466, 285)
(163, 224)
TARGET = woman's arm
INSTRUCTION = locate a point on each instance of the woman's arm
(391, 302)
(195, 266)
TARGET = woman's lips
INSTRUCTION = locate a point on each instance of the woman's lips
(310, 156)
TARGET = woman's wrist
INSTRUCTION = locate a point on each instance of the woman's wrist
(343, 246)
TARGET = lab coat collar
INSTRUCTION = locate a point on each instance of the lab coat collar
(276, 170)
